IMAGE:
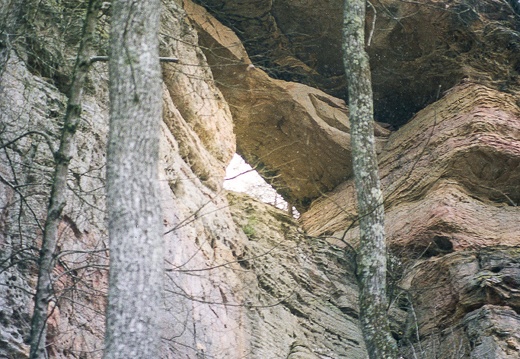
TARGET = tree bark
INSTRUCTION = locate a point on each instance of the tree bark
(372, 251)
(57, 198)
(135, 230)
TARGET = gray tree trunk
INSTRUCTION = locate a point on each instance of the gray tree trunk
(44, 291)
(372, 251)
(135, 230)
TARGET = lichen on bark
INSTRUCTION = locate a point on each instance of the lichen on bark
(372, 249)
(134, 211)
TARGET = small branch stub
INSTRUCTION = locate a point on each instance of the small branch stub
(161, 59)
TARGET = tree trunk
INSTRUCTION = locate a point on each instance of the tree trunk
(372, 251)
(59, 186)
(135, 230)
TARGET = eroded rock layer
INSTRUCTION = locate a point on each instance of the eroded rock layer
(243, 279)
(452, 166)
(415, 47)
(451, 180)
(295, 135)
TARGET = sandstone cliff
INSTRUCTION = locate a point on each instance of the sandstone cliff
(243, 279)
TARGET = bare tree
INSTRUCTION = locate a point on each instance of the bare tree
(135, 230)
(62, 157)
(372, 252)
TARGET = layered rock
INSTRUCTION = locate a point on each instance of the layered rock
(244, 280)
(300, 293)
(295, 135)
(462, 151)
(224, 296)
(465, 303)
(451, 185)
(415, 47)
(450, 175)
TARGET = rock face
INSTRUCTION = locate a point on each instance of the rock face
(296, 135)
(415, 47)
(300, 303)
(473, 308)
(451, 187)
(270, 131)
(243, 279)
(459, 159)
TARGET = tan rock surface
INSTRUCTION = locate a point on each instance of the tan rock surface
(466, 303)
(452, 168)
(226, 295)
(297, 136)
(210, 144)
(451, 182)
(242, 279)
(300, 303)
(415, 46)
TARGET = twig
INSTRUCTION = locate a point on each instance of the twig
(105, 58)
